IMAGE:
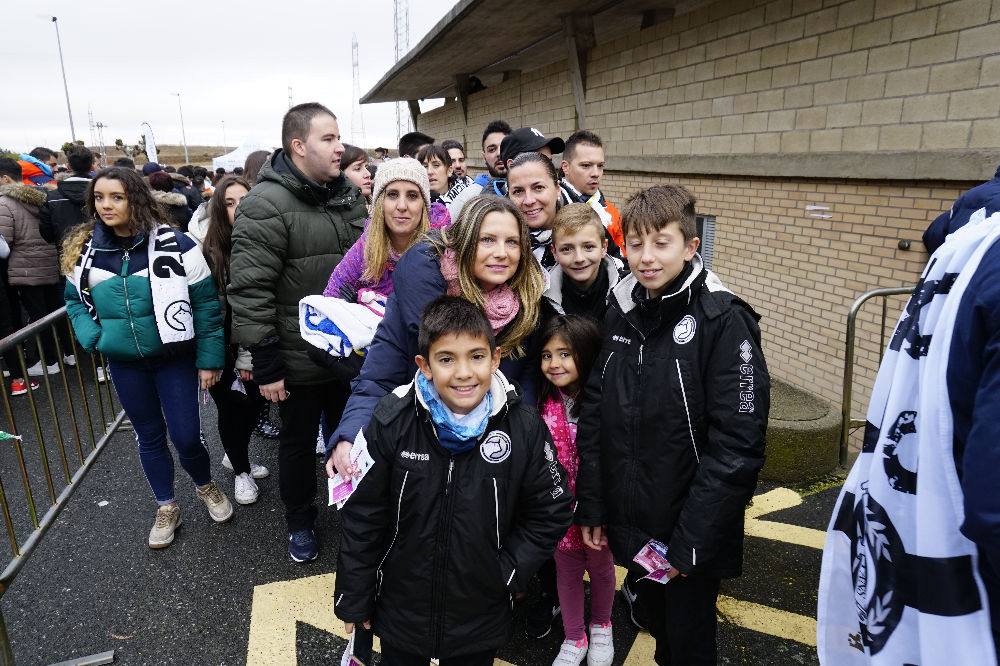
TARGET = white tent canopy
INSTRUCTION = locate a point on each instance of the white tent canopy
(238, 157)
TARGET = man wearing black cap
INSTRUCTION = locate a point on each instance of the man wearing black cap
(528, 140)
(523, 140)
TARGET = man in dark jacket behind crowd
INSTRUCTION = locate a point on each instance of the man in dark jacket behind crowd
(291, 231)
(63, 208)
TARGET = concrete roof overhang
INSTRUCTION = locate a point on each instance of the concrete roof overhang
(488, 38)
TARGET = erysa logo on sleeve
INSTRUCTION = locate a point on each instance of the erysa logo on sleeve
(746, 379)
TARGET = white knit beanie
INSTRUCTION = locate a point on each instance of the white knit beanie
(402, 168)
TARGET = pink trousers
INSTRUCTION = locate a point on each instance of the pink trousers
(570, 565)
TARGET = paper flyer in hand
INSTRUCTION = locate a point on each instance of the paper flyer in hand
(653, 558)
(340, 490)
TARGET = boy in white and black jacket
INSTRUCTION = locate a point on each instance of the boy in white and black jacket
(464, 501)
(671, 433)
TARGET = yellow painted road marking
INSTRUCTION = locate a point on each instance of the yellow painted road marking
(767, 620)
(776, 500)
(278, 606)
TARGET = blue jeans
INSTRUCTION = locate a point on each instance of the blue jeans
(150, 389)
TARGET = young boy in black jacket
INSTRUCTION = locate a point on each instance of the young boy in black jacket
(464, 501)
(671, 435)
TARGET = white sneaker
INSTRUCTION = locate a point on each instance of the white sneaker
(37, 371)
(101, 375)
(602, 646)
(256, 471)
(246, 489)
(320, 443)
(571, 653)
(69, 359)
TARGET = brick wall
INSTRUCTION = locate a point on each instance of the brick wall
(802, 273)
(802, 77)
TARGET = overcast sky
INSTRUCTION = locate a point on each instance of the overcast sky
(231, 61)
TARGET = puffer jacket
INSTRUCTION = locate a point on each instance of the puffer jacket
(289, 235)
(671, 429)
(64, 208)
(119, 286)
(433, 545)
(33, 260)
(175, 205)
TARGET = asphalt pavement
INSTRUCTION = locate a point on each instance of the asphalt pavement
(228, 594)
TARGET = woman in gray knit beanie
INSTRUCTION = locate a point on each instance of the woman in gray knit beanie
(401, 214)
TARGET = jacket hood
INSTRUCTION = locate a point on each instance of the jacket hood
(611, 265)
(280, 169)
(28, 196)
(74, 188)
(622, 292)
(42, 166)
(170, 198)
(198, 227)
(180, 179)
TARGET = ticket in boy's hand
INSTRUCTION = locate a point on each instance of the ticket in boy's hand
(652, 556)
(338, 488)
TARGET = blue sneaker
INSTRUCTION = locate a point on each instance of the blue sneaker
(302, 546)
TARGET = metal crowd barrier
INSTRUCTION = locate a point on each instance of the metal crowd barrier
(847, 424)
(49, 459)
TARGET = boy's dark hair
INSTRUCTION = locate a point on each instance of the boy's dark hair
(411, 142)
(448, 144)
(10, 167)
(429, 151)
(200, 173)
(580, 137)
(652, 209)
(495, 126)
(125, 163)
(81, 161)
(295, 124)
(452, 315)
(42, 154)
(238, 171)
(187, 171)
(169, 169)
(583, 337)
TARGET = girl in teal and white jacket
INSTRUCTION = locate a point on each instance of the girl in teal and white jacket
(140, 292)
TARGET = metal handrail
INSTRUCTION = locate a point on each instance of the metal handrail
(846, 423)
(112, 420)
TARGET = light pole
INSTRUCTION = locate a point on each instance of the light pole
(187, 160)
(224, 144)
(72, 130)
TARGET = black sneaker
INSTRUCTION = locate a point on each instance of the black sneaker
(542, 614)
(267, 429)
(302, 546)
(635, 612)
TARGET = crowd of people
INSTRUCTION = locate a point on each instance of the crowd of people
(512, 383)
(519, 383)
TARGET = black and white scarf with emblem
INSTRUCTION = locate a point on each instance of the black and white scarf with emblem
(900, 584)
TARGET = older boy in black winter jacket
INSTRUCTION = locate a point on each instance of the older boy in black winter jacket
(671, 435)
(464, 501)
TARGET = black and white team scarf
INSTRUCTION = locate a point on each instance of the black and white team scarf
(168, 283)
(900, 583)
